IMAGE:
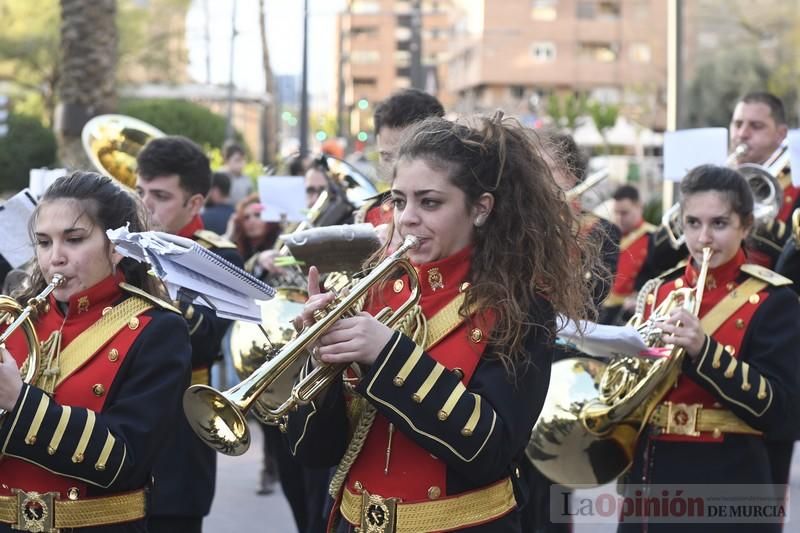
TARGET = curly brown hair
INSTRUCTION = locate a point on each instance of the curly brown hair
(529, 248)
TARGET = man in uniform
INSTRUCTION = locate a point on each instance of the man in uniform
(173, 179)
(632, 252)
(392, 118)
(759, 124)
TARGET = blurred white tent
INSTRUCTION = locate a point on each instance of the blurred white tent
(624, 133)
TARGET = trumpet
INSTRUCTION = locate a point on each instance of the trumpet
(218, 418)
(11, 308)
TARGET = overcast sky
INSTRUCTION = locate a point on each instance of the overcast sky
(284, 37)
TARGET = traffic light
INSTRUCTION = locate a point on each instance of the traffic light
(321, 135)
(362, 136)
(3, 115)
(363, 103)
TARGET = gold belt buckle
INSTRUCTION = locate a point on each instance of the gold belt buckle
(35, 511)
(682, 419)
(378, 515)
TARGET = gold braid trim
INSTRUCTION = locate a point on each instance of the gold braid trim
(414, 326)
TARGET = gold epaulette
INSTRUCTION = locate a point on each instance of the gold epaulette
(360, 216)
(765, 274)
(670, 271)
(149, 297)
(209, 239)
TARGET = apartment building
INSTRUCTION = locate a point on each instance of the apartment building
(383, 46)
(512, 54)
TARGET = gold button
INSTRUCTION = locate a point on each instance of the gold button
(716, 433)
(787, 199)
(77, 458)
(73, 493)
(715, 364)
(516, 472)
(100, 467)
(434, 492)
(416, 397)
(358, 486)
(98, 389)
(459, 373)
(30, 441)
(442, 415)
(754, 298)
(761, 395)
(47, 308)
(464, 286)
(398, 381)
(106, 310)
(113, 355)
(189, 313)
(476, 335)
(398, 285)
(679, 283)
(730, 286)
(133, 323)
(386, 207)
(730, 349)
(746, 387)
(466, 432)
(739, 323)
(51, 450)
(651, 299)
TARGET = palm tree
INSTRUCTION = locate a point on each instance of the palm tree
(87, 84)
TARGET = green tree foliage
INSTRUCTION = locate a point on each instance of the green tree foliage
(179, 117)
(30, 53)
(604, 117)
(28, 145)
(566, 110)
(719, 83)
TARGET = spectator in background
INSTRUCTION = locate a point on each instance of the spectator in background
(235, 159)
(251, 234)
(218, 209)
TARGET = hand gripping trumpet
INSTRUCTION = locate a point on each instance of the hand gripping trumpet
(10, 308)
(219, 418)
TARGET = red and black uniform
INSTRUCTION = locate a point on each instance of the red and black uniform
(632, 254)
(186, 469)
(711, 426)
(376, 210)
(85, 429)
(451, 424)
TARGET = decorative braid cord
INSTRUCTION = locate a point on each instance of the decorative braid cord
(413, 325)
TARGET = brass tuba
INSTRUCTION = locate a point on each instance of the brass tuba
(218, 418)
(594, 412)
(112, 142)
(11, 311)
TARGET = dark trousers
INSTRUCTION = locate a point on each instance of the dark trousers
(175, 524)
(306, 489)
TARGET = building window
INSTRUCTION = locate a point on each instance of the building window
(517, 91)
(402, 58)
(365, 82)
(640, 52)
(363, 7)
(585, 9)
(602, 52)
(544, 51)
(544, 9)
(608, 10)
(402, 82)
(402, 33)
(364, 57)
(363, 31)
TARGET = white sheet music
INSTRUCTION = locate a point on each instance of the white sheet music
(15, 242)
(600, 340)
(182, 263)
